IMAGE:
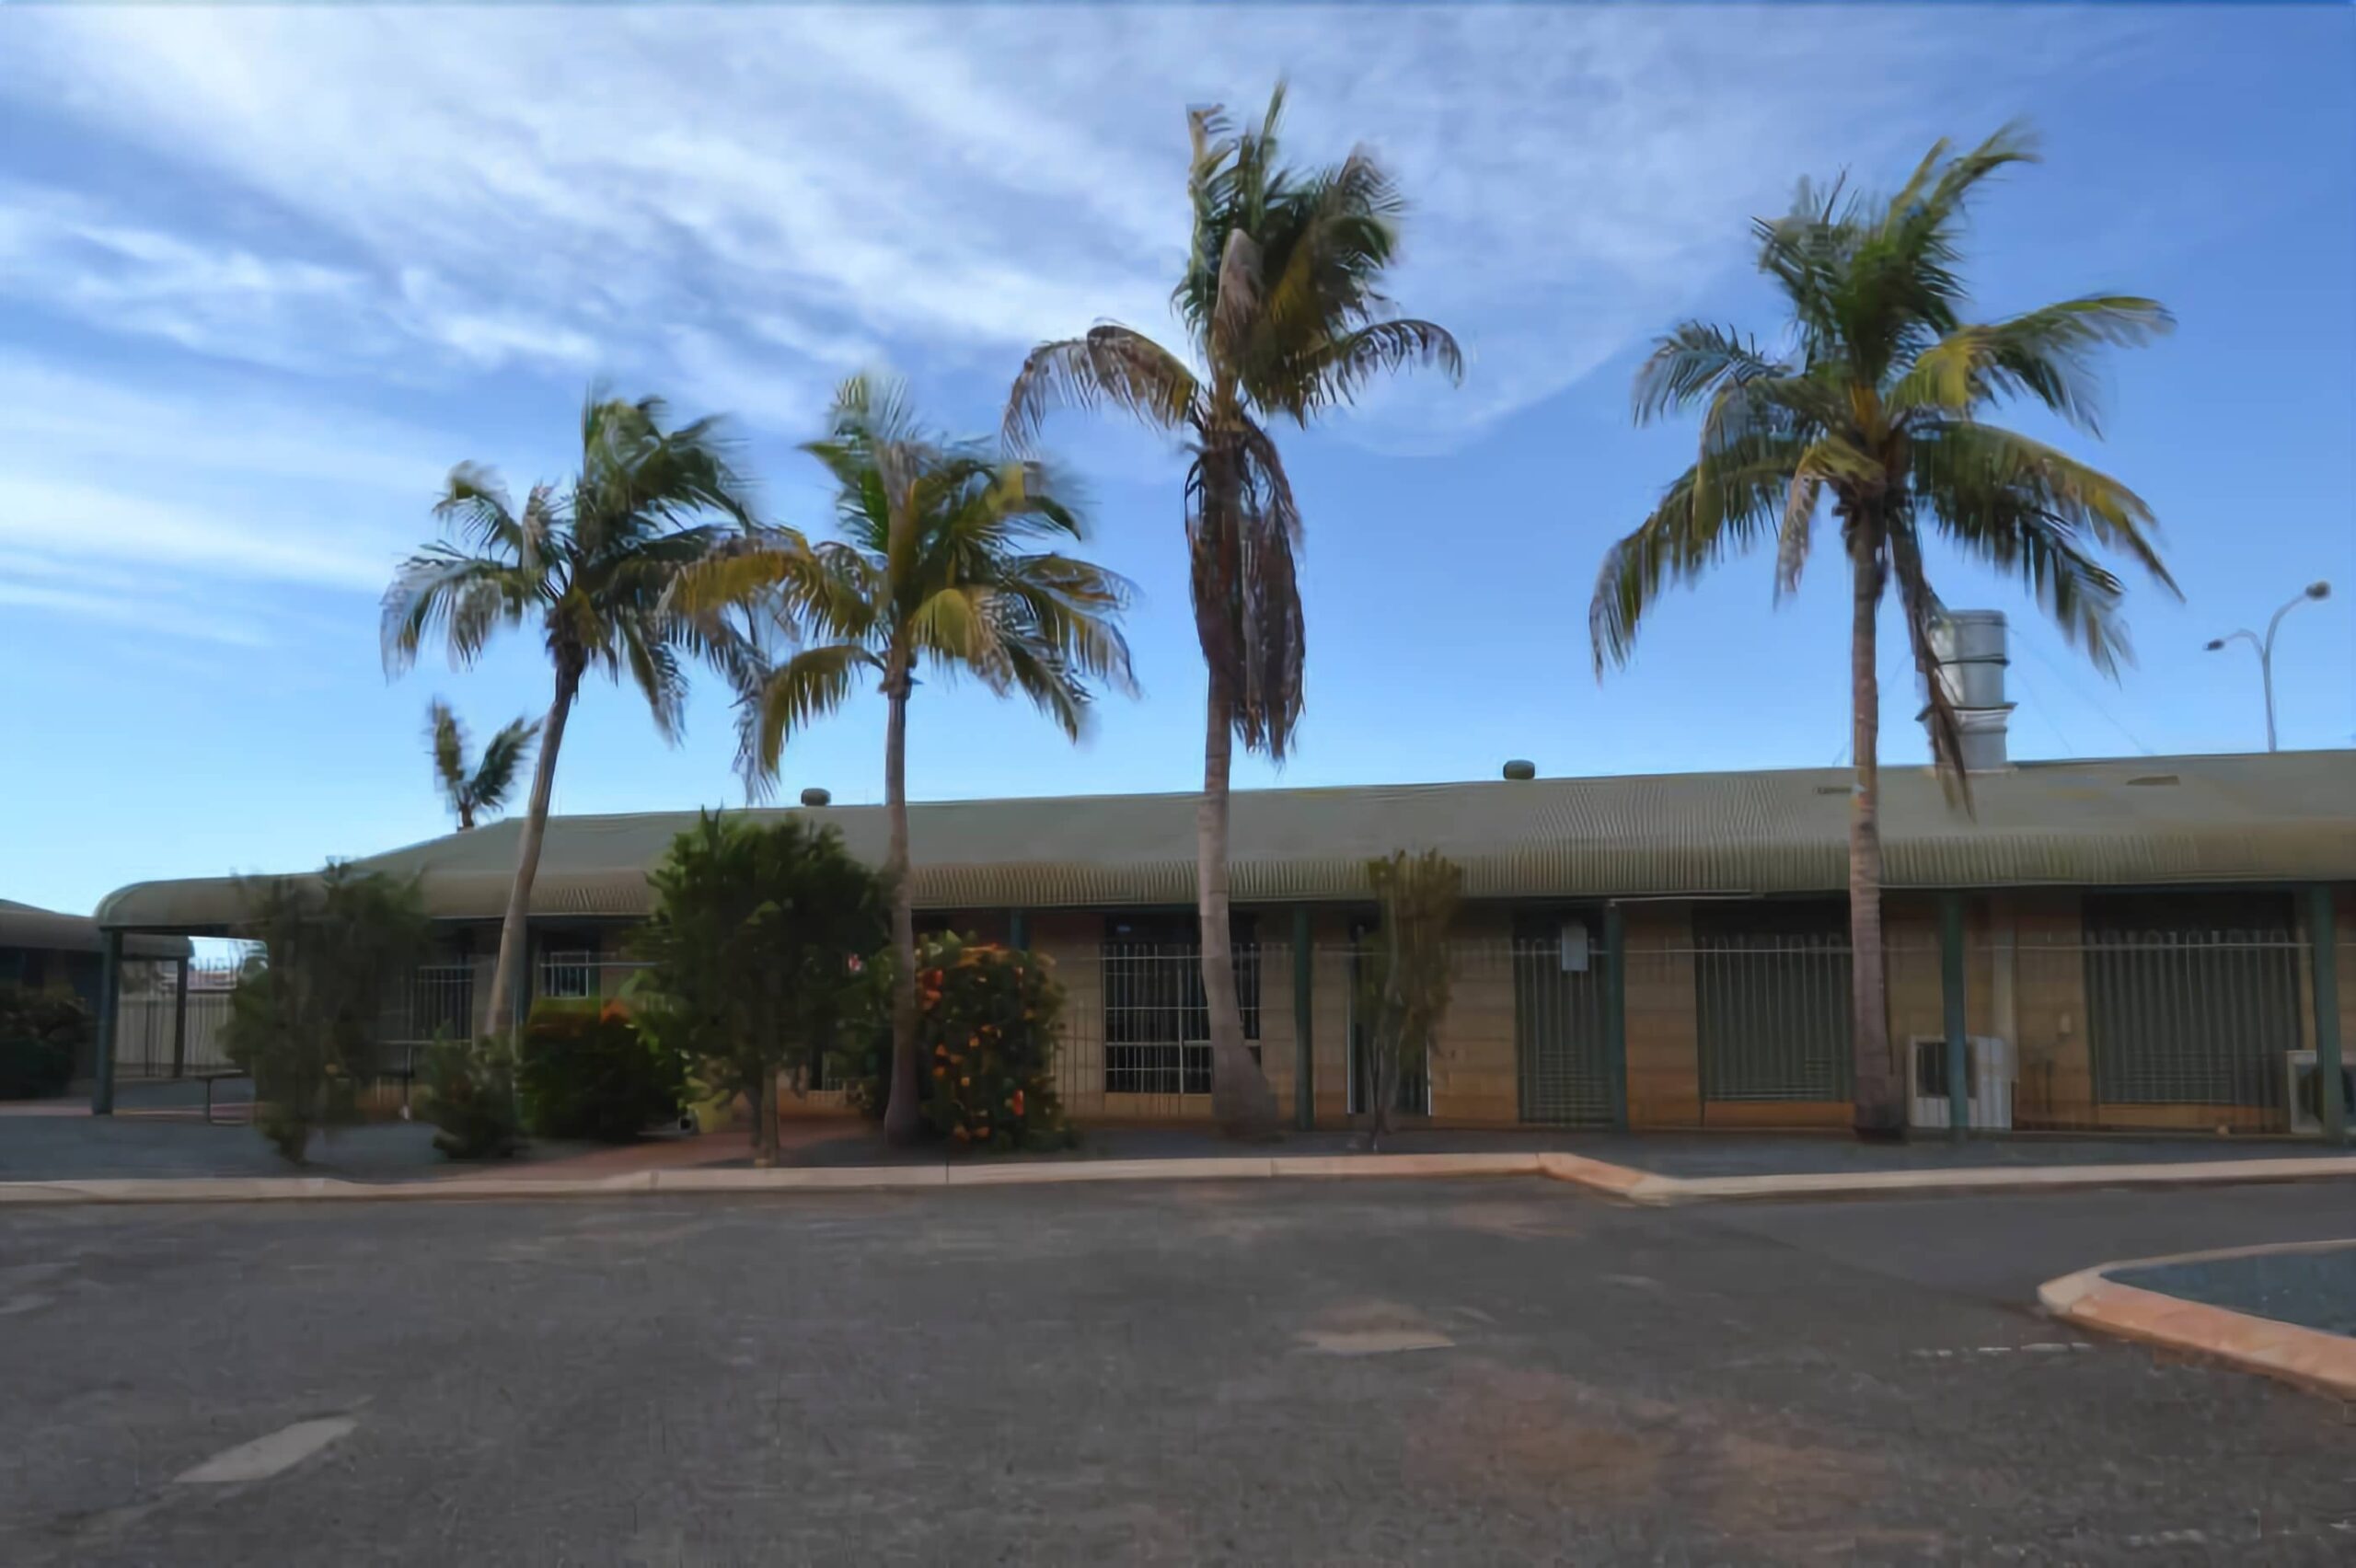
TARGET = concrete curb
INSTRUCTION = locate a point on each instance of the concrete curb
(2287, 1352)
(1991, 1179)
(1613, 1181)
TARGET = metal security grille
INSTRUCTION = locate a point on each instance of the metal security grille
(1771, 1002)
(1562, 1067)
(568, 974)
(1157, 1021)
(2191, 999)
(1413, 1092)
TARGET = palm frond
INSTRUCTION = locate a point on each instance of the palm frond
(1242, 529)
(1238, 297)
(1334, 372)
(810, 685)
(1685, 536)
(1112, 367)
(1976, 478)
(1068, 611)
(1919, 607)
(503, 758)
(740, 572)
(475, 506)
(1797, 530)
(1694, 363)
(2047, 354)
(954, 624)
(462, 597)
(447, 738)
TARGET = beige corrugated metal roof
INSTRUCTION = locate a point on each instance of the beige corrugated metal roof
(2150, 821)
(25, 926)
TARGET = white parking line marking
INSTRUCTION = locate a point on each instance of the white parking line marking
(2042, 1347)
(265, 1457)
(1375, 1342)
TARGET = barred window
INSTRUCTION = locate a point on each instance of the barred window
(1157, 1019)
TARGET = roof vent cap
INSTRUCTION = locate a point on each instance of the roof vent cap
(1519, 770)
(815, 797)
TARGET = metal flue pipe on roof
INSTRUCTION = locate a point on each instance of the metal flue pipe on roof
(1970, 646)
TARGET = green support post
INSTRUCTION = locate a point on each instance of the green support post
(1615, 1013)
(1304, 1057)
(1018, 929)
(109, 1004)
(1951, 993)
(2332, 1109)
(526, 984)
(180, 1017)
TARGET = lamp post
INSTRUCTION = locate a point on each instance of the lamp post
(2266, 648)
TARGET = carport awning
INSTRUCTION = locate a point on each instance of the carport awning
(24, 926)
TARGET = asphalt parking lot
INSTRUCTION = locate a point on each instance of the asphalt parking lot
(1361, 1371)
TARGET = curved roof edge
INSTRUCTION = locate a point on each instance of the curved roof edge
(24, 926)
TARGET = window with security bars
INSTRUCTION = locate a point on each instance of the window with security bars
(1157, 1021)
(2191, 999)
(1562, 1071)
(1772, 1001)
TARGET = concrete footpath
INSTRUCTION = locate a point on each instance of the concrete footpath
(1624, 1181)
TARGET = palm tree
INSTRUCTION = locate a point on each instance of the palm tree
(1284, 317)
(589, 561)
(483, 788)
(1877, 409)
(933, 567)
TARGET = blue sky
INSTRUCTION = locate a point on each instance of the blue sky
(267, 272)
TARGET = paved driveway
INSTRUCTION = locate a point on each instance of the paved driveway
(1355, 1372)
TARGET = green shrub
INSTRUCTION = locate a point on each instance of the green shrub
(470, 1095)
(42, 1034)
(753, 952)
(986, 1040)
(304, 1020)
(589, 1073)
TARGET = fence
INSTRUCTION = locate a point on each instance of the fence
(2110, 1030)
(2134, 1031)
(154, 1037)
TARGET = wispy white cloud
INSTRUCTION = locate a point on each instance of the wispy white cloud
(96, 521)
(416, 196)
(147, 613)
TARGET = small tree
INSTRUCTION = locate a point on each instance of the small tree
(305, 1017)
(1405, 975)
(753, 953)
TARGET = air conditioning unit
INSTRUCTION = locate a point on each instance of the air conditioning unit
(1988, 1070)
(2302, 1086)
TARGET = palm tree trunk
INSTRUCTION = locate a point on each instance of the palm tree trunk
(1241, 1100)
(900, 1115)
(1878, 1112)
(512, 938)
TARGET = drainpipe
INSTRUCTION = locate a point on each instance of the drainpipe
(1959, 1042)
(1304, 1057)
(2333, 1110)
(1615, 1013)
(109, 1003)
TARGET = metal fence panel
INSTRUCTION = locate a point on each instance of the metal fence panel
(1771, 1015)
(1562, 1061)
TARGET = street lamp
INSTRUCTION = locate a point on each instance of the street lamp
(2266, 648)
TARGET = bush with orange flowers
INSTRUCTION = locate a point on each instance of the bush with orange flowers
(585, 1071)
(986, 1039)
